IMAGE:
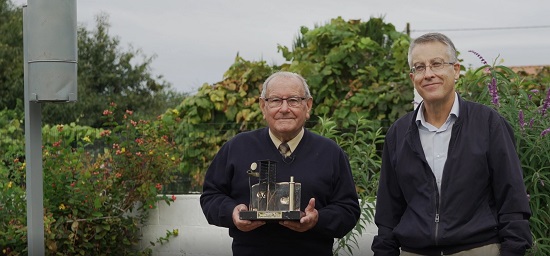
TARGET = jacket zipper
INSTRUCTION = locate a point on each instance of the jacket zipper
(437, 202)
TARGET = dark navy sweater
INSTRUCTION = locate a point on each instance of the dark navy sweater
(321, 167)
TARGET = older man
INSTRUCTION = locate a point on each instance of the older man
(329, 201)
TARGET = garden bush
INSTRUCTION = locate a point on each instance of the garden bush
(98, 185)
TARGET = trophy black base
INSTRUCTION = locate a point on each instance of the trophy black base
(269, 215)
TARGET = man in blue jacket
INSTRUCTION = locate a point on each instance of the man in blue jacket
(451, 182)
(329, 201)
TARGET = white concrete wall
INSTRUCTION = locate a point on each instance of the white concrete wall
(198, 238)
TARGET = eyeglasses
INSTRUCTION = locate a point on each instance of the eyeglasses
(434, 66)
(291, 101)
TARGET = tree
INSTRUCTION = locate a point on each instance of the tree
(218, 112)
(354, 67)
(106, 73)
(11, 56)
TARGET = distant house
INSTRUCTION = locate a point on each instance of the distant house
(528, 70)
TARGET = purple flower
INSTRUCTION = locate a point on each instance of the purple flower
(479, 56)
(543, 133)
(533, 92)
(492, 86)
(531, 122)
(493, 91)
(521, 120)
(546, 103)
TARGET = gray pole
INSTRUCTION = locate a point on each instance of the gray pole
(50, 65)
(33, 159)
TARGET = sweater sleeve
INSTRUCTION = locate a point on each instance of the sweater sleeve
(215, 201)
(509, 190)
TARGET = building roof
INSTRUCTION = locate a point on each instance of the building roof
(529, 70)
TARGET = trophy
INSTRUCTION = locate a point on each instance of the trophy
(271, 200)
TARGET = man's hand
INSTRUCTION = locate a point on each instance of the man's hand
(244, 225)
(309, 219)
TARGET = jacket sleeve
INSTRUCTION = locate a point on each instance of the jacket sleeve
(342, 212)
(390, 205)
(215, 200)
(509, 190)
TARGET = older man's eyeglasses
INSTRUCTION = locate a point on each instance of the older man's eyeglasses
(434, 66)
(291, 101)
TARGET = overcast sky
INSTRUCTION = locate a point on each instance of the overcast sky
(195, 42)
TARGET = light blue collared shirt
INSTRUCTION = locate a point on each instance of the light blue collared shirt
(435, 141)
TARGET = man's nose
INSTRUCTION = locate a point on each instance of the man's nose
(431, 72)
(284, 106)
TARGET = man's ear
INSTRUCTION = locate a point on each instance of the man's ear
(262, 107)
(456, 68)
(309, 105)
(262, 103)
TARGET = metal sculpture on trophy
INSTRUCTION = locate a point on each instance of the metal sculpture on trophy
(269, 199)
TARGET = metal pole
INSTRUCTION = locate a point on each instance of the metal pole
(33, 159)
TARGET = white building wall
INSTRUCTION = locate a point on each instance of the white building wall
(197, 238)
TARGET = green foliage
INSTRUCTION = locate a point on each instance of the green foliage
(216, 113)
(524, 102)
(360, 142)
(354, 72)
(354, 67)
(12, 205)
(107, 74)
(12, 169)
(11, 56)
(166, 238)
(98, 184)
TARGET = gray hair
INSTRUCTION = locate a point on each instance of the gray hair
(434, 37)
(285, 74)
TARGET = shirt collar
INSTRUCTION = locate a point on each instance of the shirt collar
(293, 143)
(455, 110)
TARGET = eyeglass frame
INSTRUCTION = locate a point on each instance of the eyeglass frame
(437, 68)
(298, 101)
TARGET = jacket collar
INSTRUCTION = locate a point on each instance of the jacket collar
(413, 136)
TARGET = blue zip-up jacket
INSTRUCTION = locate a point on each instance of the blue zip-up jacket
(483, 198)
